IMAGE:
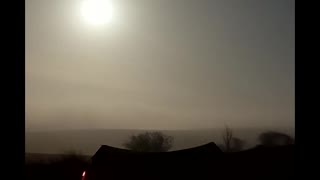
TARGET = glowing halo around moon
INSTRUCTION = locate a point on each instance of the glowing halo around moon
(97, 12)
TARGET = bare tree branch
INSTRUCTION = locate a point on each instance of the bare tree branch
(227, 138)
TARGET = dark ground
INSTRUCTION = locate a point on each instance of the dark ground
(256, 163)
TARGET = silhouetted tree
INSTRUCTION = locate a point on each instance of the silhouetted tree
(271, 139)
(227, 138)
(149, 142)
(231, 143)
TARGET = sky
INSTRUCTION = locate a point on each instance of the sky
(160, 64)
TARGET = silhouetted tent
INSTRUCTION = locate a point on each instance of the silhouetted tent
(107, 154)
(181, 163)
(196, 163)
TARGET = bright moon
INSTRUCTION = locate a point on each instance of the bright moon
(97, 12)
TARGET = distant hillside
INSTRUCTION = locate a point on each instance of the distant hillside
(88, 141)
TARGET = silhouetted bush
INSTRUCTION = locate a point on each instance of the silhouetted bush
(237, 144)
(272, 139)
(149, 142)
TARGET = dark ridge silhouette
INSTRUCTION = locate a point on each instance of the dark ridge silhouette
(124, 164)
(202, 162)
(197, 163)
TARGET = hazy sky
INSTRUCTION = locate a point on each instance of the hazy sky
(161, 64)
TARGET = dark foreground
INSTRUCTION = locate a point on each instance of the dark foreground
(204, 162)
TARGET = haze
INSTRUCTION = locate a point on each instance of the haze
(160, 64)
